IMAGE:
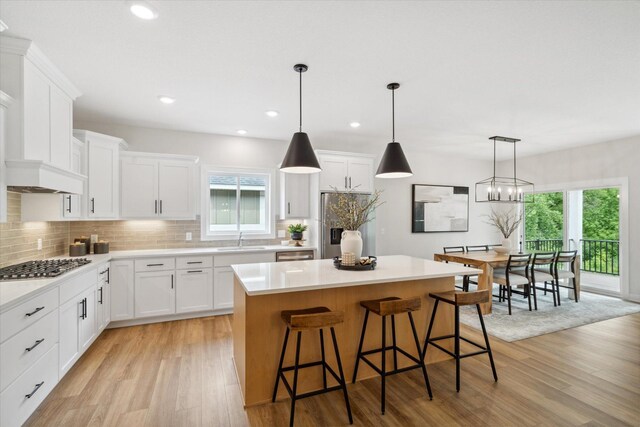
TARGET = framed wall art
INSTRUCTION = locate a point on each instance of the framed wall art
(439, 208)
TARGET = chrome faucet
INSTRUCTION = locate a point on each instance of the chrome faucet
(240, 240)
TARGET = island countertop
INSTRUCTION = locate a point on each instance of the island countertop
(295, 276)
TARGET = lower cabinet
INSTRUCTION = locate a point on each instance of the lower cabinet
(155, 293)
(222, 288)
(194, 290)
(77, 327)
(121, 284)
(103, 303)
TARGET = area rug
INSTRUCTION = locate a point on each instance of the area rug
(526, 324)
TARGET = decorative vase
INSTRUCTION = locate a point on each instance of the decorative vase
(505, 248)
(351, 242)
(296, 236)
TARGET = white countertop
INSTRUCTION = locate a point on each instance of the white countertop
(282, 277)
(14, 292)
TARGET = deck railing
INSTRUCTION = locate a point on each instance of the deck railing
(597, 256)
(600, 256)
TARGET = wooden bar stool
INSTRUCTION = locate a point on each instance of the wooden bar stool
(459, 299)
(304, 320)
(390, 307)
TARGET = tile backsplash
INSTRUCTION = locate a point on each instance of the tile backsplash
(18, 240)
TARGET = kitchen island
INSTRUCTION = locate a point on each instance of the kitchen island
(262, 291)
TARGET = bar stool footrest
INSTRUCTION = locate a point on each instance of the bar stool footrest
(450, 353)
(388, 348)
(315, 392)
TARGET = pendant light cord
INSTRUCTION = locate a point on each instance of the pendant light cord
(393, 115)
(300, 73)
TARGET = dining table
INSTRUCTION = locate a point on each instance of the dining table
(487, 261)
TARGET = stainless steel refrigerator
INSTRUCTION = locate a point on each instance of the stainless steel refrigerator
(330, 237)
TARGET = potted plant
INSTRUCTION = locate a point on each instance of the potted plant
(296, 230)
(351, 213)
(506, 222)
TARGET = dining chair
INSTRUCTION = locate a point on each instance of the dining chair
(542, 265)
(515, 274)
(477, 248)
(559, 273)
(465, 279)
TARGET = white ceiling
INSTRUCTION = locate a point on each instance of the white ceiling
(556, 74)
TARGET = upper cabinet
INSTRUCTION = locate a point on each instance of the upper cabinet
(103, 172)
(39, 122)
(346, 172)
(157, 186)
(294, 195)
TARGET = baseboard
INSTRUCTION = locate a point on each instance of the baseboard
(168, 318)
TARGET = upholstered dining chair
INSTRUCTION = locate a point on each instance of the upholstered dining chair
(515, 274)
(542, 265)
(458, 249)
(560, 273)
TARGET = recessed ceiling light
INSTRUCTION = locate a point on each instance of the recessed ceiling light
(272, 113)
(143, 10)
(354, 125)
(166, 99)
(241, 131)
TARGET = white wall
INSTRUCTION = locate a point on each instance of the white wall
(393, 219)
(614, 161)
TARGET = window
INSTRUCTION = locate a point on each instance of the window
(237, 201)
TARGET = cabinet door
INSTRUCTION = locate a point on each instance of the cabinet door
(295, 195)
(360, 175)
(71, 207)
(334, 173)
(175, 189)
(36, 114)
(222, 288)
(88, 327)
(121, 279)
(61, 110)
(70, 313)
(103, 180)
(155, 293)
(138, 187)
(100, 306)
(194, 290)
(106, 301)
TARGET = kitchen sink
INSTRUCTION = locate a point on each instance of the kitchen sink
(243, 248)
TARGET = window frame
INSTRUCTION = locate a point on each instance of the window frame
(205, 213)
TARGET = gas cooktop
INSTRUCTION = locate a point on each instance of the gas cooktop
(41, 269)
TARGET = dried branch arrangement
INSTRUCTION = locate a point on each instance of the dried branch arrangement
(351, 214)
(507, 222)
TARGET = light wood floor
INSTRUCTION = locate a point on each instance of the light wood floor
(181, 374)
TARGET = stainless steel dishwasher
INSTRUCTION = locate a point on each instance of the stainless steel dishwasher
(294, 256)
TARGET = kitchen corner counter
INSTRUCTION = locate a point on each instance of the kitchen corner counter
(271, 278)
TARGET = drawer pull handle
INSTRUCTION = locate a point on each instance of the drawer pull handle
(194, 271)
(35, 311)
(154, 265)
(28, 396)
(38, 342)
(194, 262)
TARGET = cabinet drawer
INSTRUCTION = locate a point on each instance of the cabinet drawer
(75, 285)
(15, 406)
(155, 264)
(27, 313)
(194, 262)
(27, 346)
(226, 260)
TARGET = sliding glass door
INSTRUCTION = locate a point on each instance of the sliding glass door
(544, 222)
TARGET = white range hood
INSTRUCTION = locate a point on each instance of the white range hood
(36, 176)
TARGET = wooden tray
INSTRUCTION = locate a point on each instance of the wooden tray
(337, 263)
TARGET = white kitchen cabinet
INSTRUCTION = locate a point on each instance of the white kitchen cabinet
(222, 288)
(60, 122)
(5, 102)
(70, 313)
(121, 282)
(102, 195)
(194, 290)
(103, 303)
(36, 115)
(88, 325)
(294, 195)
(346, 172)
(155, 293)
(139, 187)
(157, 186)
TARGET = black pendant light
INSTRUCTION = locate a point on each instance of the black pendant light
(394, 163)
(300, 157)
